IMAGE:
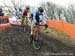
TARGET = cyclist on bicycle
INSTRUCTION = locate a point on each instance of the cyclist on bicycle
(25, 15)
(38, 15)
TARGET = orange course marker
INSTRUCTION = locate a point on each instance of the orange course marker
(4, 25)
(62, 25)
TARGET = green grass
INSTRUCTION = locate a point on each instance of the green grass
(2, 29)
(60, 36)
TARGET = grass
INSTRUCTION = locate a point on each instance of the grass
(60, 36)
(2, 29)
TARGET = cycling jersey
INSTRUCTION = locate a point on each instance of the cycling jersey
(25, 13)
(37, 16)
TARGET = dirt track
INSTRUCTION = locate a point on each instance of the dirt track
(13, 42)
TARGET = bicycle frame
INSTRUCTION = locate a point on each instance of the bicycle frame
(35, 39)
(37, 31)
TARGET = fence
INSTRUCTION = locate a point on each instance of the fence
(4, 22)
(62, 25)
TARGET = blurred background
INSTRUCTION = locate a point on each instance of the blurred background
(55, 9)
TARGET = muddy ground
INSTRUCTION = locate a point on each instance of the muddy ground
(13, 42)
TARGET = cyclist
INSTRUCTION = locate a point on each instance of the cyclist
(38, 15)
(25, 14)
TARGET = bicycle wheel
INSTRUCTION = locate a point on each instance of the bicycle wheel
(36, 43)
(30, 38)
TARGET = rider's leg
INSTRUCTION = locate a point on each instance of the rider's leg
(32, 27)
(22, 22)
(28, 21)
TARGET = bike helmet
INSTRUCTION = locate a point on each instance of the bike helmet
(41, 9)
(27, 7)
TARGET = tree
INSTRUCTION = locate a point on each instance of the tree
(71, 9)
(60, 13)
(50, 9)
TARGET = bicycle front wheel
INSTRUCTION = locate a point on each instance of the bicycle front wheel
(36, 44)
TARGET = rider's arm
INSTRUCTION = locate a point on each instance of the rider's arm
(29, 14)
(45, 20)
(34, 14)
(22, 12)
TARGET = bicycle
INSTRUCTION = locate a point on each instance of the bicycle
(36, 34)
